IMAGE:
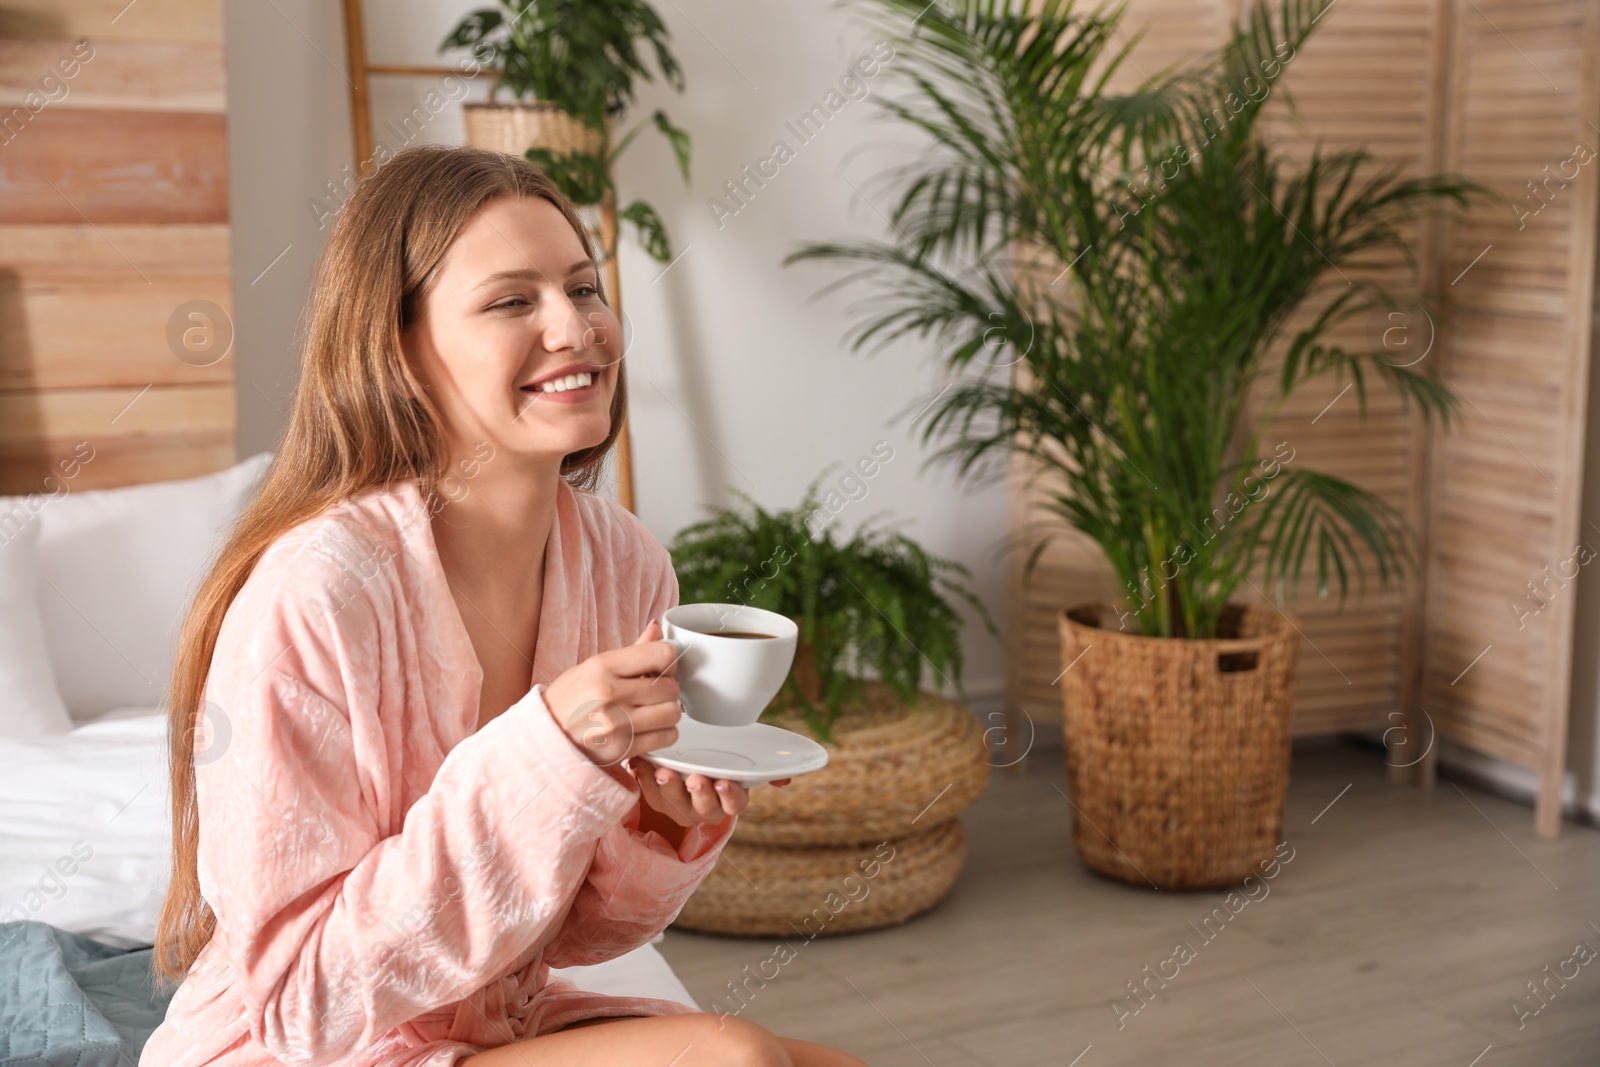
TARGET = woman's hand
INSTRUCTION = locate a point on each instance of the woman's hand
(688, 800)
(623, 703)
(670, 803)
(620, 703)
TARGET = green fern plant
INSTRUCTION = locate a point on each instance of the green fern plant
(875, 601)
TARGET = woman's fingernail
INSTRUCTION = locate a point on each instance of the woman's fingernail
(722, 787)
(661, 779)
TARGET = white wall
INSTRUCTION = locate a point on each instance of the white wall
(737, 377)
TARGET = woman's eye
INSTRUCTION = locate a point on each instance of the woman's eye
(588, 290)
(515, 301)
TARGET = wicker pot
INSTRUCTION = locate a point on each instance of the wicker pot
(897, 779)
(1177, 750)
(515, 128)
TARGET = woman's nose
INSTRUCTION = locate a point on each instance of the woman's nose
(561, 326)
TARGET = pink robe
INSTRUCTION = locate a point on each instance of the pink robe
(391, 884)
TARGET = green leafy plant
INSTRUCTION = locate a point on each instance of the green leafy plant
(582, 56)
(877, 600)
(1140, 256)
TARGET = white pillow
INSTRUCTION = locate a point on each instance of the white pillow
(117, 569)
(30, 704)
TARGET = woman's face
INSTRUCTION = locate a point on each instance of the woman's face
(516, 301)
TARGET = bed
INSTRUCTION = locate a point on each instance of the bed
(93, 585)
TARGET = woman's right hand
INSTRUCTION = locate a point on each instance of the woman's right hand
(622, 702)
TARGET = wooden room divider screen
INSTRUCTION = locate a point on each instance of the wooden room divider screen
(1478, 648)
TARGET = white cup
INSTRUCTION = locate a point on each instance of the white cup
(725, 680)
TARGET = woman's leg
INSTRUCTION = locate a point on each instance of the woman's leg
(699, 1040)
(808, 1054)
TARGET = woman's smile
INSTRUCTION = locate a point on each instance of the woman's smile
(573, 387)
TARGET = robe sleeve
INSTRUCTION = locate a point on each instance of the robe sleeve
(636, 886)
(638, 882)
(335, 931)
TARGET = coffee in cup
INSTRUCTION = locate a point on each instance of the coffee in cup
(732, 659)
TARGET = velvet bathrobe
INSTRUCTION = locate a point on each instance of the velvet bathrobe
(391, 884)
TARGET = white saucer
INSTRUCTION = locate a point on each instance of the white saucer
(750, 755)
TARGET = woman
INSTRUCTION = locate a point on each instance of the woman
(427, 667)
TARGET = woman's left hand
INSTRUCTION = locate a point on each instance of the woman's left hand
(691, 800)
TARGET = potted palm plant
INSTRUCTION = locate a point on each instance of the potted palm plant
(569, 66)
(1137, 265)
(875, 602)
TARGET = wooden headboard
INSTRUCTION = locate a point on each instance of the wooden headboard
(116, 337)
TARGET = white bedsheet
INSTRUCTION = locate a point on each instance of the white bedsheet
(85, 836)
(84, 830)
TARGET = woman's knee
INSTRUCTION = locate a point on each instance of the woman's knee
(736, 1042)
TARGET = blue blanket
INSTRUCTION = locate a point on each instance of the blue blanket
(68, 1001)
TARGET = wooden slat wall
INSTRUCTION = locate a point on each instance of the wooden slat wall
(1507, 484)
(156, 21)
(113, 216)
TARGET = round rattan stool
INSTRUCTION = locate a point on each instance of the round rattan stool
(889, 763)
(819, 890)
(871, 840)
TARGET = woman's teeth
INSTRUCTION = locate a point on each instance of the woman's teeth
(571, 381)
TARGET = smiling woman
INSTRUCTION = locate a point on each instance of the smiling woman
(466, 740)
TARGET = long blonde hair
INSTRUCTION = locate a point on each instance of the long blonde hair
(360, 420)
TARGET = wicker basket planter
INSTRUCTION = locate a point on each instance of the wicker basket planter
(515, 128)
(871, 840)
(1177, 750)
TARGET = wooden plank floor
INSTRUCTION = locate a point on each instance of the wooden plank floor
(1400, 933)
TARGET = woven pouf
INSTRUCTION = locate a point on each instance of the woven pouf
(1177, 749)
(819, 890)
(898, 777)
(891, 763)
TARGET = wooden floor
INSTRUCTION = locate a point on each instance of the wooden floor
(1401, 932)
